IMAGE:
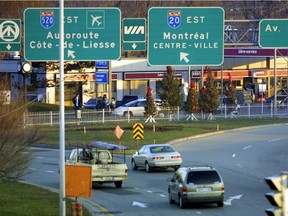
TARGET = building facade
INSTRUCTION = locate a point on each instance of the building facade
(249, 68)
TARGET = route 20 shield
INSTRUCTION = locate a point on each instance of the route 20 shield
(174, 19)
(47, 18)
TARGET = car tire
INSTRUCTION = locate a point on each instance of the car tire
(220, 204)
(161, 115)
(171, 201)
(182, 203)
(126, 114)
(133, 164)
(118, 184)
(176, 168)
(147, 167)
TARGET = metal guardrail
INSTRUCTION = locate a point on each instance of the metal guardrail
(93, 116)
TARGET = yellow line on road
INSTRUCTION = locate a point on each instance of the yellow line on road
(98, 206)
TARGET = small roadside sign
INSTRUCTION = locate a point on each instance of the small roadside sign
(134, 34)
(138, 131)
(10, 35)
(102, 77)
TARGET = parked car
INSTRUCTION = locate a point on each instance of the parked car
(197, 184)
(135, 108)
(97, 104)
(127, 98)
(90, 104)
(282, 100)
(156, 156)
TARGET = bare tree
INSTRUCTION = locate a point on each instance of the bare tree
(15, 138)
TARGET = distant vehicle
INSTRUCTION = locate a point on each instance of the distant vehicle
(94, 103)
(128, 98)
(282, 100)
(34, 97)
(197, 184)
(156, 156)
(134, 108)
(91, 104)
(282, 92)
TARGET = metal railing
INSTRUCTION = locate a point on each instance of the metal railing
(101, 116)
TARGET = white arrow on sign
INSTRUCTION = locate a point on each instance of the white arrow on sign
(71, 54)
(8, 47)
(184, 56)
(134, 46)
(229, 201)
(142, 205)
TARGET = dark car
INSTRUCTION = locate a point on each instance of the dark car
(127, 98)
(282, 100)
(90, 104)
(93, 103)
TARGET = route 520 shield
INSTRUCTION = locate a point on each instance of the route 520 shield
(47, 18)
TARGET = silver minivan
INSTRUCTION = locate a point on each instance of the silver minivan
(197, 184)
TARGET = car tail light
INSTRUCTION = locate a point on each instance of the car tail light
(184, 190)
(176, 157)
(158, 158)
(222, 188)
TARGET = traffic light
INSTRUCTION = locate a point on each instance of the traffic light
(278, 198)
(26, 67)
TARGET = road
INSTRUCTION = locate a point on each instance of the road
(243, 157)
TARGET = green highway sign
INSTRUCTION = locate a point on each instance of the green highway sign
(273, 33)
(10, 35)
(134, 34)
(185, 36)
(89, 34)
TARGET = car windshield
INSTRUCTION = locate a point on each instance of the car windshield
(161, 149)
(91, 101)
(203, 177)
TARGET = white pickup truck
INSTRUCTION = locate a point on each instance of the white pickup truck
(106, 167)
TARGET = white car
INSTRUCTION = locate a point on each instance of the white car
(134, 108)
(156, 156)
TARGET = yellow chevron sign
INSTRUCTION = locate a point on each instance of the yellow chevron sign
(138, 131)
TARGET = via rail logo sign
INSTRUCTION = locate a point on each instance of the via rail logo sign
(10, 35)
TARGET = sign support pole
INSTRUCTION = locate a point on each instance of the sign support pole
(62, 115)
(275, 83)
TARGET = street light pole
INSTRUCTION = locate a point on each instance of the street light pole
(62, 115)
(275, 83)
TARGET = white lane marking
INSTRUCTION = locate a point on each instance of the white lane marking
(148, 191)
(247, 147)
(32, 169)
(229, 201)
(275, 140)
(142, 205)
(39, 157)
(198, 212)
(49, 171)
(162, 195)
(234, 155)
